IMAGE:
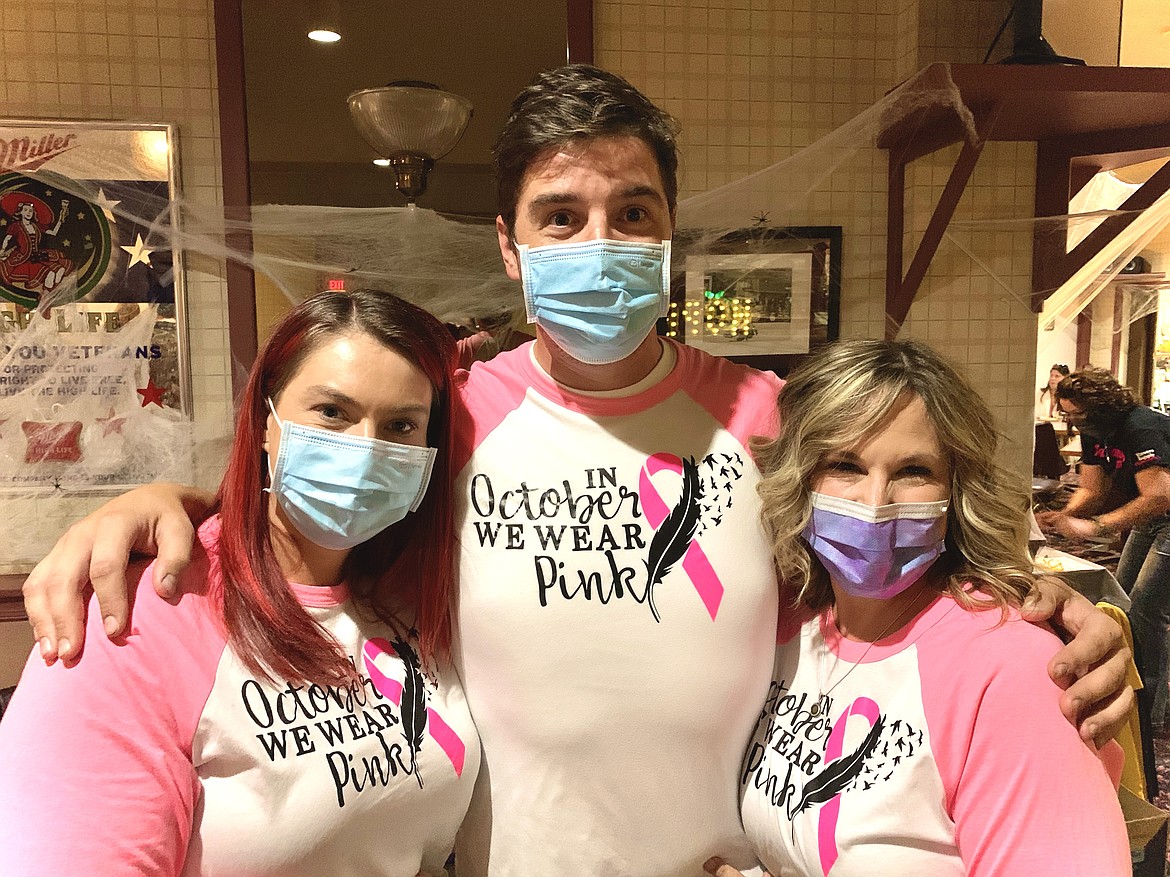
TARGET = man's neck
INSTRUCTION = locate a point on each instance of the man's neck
(577, 375)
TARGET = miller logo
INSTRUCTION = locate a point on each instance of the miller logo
(28, 153)
(54, 247)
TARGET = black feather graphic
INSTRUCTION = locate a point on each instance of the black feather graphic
(414, 705)
(835, 778)
(671, 540)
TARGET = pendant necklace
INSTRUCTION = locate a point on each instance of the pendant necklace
(816, 709)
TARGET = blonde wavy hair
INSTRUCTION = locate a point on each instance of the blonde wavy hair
(835, 399)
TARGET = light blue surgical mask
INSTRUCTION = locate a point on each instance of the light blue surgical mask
(598, 300)
(876, 551)
(339, 490)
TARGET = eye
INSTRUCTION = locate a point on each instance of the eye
(399, 428)
(636, 214)
(331, 412)
(840, 466)
(561, 219)
(918, 472)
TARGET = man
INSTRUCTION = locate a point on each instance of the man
(1124, 485)
(617, 606)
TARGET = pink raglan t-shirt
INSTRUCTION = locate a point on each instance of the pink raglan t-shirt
(161, 754)
(617, 614)
(941, 751)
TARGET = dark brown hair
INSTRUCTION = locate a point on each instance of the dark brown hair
(576, 103)
(1096, 392)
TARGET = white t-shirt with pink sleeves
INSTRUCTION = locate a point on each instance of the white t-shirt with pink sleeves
(162, 755)
(941, 751)
(617, 615)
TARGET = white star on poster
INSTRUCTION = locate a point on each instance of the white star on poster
(138, 253)
(107, 205)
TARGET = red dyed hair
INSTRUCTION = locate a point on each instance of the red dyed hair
(405, 568)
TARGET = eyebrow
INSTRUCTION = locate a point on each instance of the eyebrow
(928, 460)
(334, 395)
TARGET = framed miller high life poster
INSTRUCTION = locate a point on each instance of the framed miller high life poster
(94, 382)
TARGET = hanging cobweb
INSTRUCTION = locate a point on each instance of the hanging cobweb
(769, 265)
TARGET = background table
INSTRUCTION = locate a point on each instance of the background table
(1090, 579)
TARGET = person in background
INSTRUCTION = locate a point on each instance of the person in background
(896, 733)
(1124, 485)
(1046, 408)
(296, 713)
(612, 567)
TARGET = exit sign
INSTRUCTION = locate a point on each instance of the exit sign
(337, 285)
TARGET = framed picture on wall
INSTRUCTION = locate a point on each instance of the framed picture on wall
(764, 296)
(94, 378)
(750, 304)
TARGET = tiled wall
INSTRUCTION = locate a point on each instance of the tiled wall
(754, 81)
(974, 304)
(961, 31)
(751, 82)
(142, 61)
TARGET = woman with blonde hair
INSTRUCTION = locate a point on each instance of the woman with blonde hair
(896, 733)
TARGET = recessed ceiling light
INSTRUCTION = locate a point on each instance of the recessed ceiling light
(382, 162)
(324, 36)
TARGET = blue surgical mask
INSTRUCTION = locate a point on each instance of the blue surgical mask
(598, 300)
(339, 490)
(876, 551)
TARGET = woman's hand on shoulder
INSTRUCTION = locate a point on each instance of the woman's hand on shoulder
(1091, 667)
(154, 519)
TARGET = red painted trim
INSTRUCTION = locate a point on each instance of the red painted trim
(580, 31)
(900, 297)
(237, 190)
(1084, 338)
(1118, 325)
(895, 235)
(11, 599)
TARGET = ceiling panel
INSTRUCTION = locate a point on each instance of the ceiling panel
(296, 89)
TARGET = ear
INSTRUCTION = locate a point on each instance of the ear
(271, 428)
(507, 249)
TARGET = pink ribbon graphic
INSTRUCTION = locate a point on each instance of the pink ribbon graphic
(695, 562)
(827, 821)
(391, 689)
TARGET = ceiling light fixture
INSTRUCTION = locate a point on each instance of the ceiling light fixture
(325, 23)
(412, 125)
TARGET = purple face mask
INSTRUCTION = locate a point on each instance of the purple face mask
(876, 551)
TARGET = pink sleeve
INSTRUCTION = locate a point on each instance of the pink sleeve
(1026, 795)
(740, 398)
(95, 760)
(484, 396)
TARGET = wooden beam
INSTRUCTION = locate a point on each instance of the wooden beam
(899, 298)
(237, 192)
(1084, 338)
(1151, 190)
(11, 599)
(1053, 190)
(579, 29)
(1063, 166)
(895, 227)
(1118, 330)
(1110, 150)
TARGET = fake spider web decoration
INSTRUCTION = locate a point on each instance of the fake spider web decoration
(732, 237)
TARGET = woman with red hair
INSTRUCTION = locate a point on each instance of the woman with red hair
(298, 715)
